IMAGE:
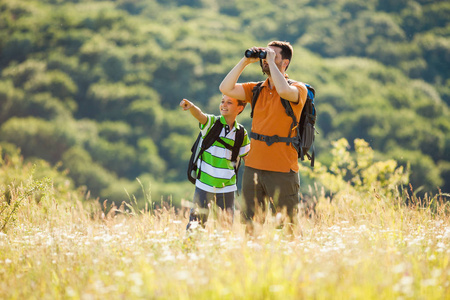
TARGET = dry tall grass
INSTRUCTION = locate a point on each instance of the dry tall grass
(365, 239)
(351, 248)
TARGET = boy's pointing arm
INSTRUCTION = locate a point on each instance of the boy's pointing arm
(195, 111)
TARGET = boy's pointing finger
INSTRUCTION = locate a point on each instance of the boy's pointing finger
(184, 104)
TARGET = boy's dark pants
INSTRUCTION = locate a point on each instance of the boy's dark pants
(278, 190)
(201, 198)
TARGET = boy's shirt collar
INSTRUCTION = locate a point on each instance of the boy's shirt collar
(224, 123)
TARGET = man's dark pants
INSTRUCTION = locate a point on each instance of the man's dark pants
(276, 189)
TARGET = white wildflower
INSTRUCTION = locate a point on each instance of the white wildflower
(70, 292)
(276, 288)
(436, 273)
(136, 278)
(182, 275)
(119, 274)
(407, 280)
(194, 224)
(400, 268)
(429, 282)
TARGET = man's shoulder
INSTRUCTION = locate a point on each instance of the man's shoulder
(248, 89)
(301, 86)
(251, 84)
(303, 93)
(297, 83)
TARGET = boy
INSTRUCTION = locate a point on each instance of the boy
(217, 182)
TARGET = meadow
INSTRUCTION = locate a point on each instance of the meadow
(347, 248)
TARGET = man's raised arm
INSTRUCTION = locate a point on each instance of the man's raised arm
(229, 85)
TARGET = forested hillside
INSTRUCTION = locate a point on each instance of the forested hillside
(93, 87)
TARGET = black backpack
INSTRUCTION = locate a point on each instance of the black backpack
(306, 131)
(200, 145)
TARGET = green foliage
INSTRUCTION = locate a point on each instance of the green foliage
(109, 101)
(115, 131)
(14, 199)
(147, 115)
(420, 164)
(17, 48)
(39, 138)
(117, 157)
(86, 172)
(22, 183)
(22, 73)
(359, 172)
(58, 83)
(148, 160)
(176, 150)
(100, 81)
(436, 51)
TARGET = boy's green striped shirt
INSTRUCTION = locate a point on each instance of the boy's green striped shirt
(217, 171)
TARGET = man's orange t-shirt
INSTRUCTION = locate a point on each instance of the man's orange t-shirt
(270, 118)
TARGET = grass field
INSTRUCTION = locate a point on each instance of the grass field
(351, 248)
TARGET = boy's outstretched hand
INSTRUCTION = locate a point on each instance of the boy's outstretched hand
(186, 104)
(195, 111)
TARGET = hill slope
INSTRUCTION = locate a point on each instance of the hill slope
(95, 84)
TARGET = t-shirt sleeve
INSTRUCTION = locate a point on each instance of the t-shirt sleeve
(302, 93)
(248, 89)
(245, 148)
(204, 128)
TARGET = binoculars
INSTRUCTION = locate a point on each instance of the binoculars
(255, 54)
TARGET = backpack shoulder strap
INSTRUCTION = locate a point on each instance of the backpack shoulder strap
(256, 90)
(208, 140)
(311, 91)
(289, 111)
(309, 97)
(212, 135)
(239, 139)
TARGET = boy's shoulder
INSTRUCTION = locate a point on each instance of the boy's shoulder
(211, 119)
(239, 126)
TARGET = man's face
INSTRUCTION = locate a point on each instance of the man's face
(278, 60)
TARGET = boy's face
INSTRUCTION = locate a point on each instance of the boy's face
(229, 107)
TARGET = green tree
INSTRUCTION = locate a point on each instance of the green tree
(358, 171)
(86, 172)
(39, 138)
(106, 78)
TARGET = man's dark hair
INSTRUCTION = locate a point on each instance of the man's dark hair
(286, 49)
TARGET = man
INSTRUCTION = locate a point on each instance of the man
(271, 169)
